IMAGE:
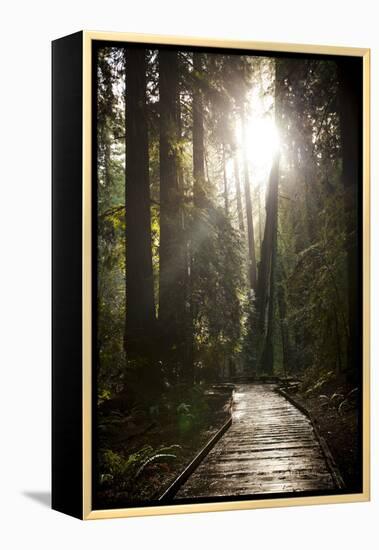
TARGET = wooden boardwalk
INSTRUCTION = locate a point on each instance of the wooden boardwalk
(271, 447)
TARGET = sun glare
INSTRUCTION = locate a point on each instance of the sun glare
(262, 141)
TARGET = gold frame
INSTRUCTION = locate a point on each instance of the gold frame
(88, 513)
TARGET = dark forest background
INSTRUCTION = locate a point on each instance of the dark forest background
(223, 253)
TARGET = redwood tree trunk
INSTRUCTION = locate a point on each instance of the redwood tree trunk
(282, 307)
(249, 212)
(268, 246)
(140, 311)
(171, 247)
(267, 271)
(267, 360)
(239, 196)
(226, 195)
(198, 133)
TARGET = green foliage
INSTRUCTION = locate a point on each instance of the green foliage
(218, 284)
(116, 470)
(186, 419)
(312, 221)
(317, 287)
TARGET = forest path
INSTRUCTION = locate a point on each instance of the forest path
(271, 447)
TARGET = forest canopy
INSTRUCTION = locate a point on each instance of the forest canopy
(223, 226)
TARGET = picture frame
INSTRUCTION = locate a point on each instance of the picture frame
(79, 487)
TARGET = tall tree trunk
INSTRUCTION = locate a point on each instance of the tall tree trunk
(239, 197)
(267, 360)
(190, 329)
(268, 246)
(267, 266)
(226, 196)
(260, 221)
(140, 311)
(267, 282)
(249, 212)
(187, 297)
(200, 164)
(199, 193)
(350, 100)
(282, 307)
(171, 247)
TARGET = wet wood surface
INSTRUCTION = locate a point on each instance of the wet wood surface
(271, 447)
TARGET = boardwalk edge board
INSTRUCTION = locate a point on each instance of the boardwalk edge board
(334, 470)
(182, 478)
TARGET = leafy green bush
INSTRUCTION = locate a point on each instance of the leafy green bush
(120, 471)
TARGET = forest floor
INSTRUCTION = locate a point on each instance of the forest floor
(334, 408)
(152, 453)
(143, 451)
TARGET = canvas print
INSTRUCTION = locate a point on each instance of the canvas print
(227, 229)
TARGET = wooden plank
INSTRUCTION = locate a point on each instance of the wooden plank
(178, 482)
(325, 447)
(271, 447)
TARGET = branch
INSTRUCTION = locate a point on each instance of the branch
(112, 211)
(324, 115)
(117, 209)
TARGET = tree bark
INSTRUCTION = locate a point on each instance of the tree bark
(171, 247)
(282, 307)
(239, 196)
(140, 311)
(249, 212)
(199, 193)
(266, 282)
(350, 101)
(267, 360)
(226, 196)
(268, 245)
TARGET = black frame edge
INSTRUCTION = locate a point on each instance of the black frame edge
(67, 131)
